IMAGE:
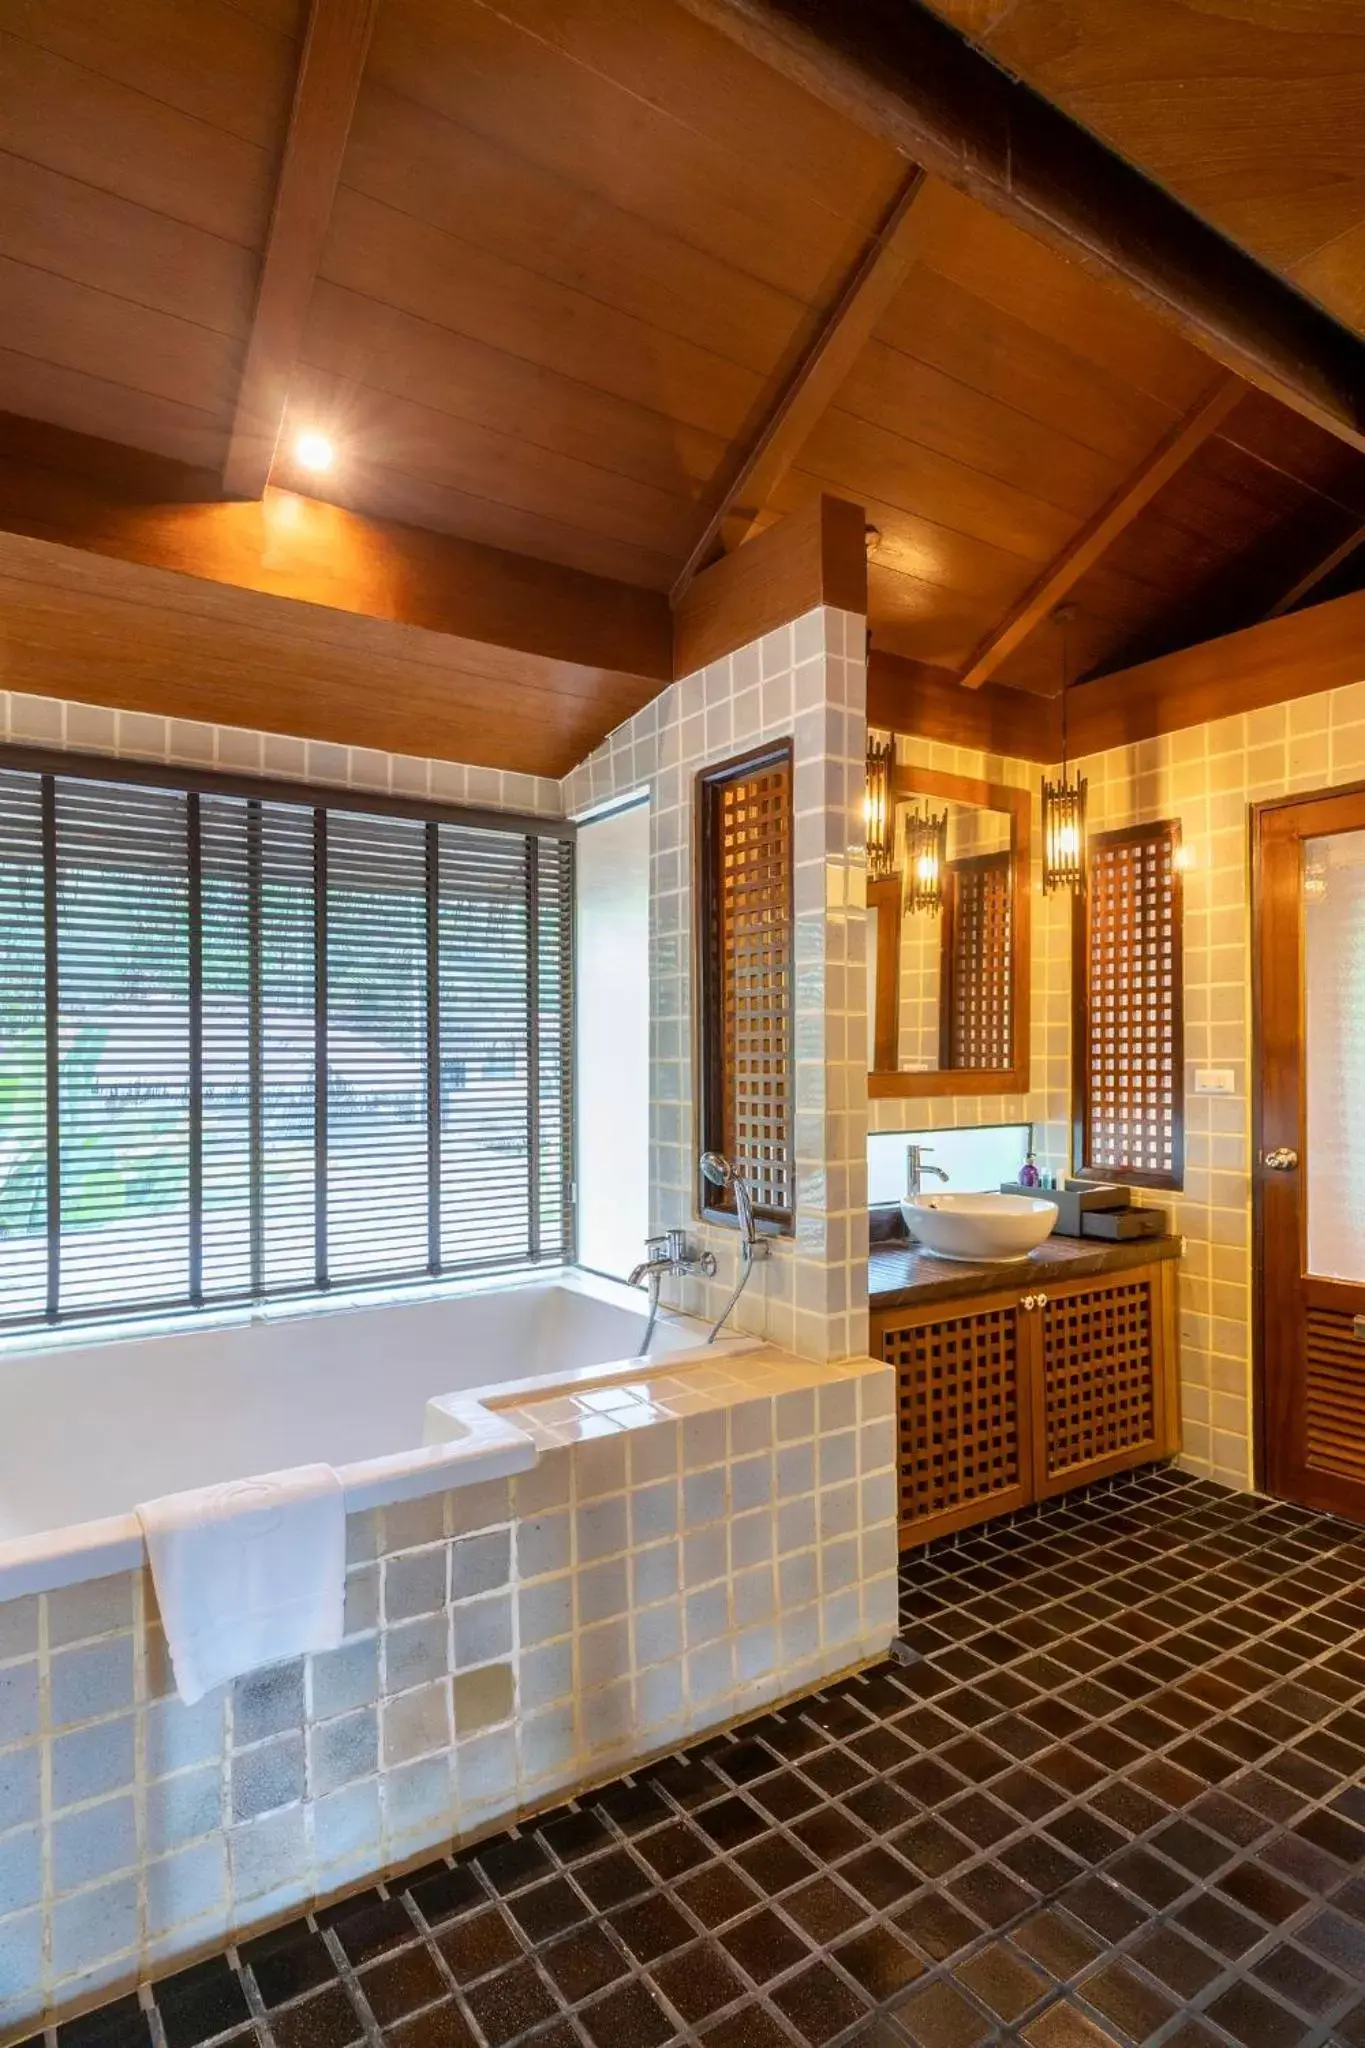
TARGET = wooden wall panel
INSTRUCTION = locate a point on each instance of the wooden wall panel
(77, 626)
(815, 557)
(1316, 649)
(102, 497)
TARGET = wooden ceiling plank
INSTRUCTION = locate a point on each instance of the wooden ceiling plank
(1169, 456)
(324, 101)
(1320, 571)
(842, 335)
(905, 75)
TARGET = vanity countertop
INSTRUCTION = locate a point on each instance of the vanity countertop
(901, 1274)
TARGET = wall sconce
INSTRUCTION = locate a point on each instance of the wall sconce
(879, 812)
(926, 854)
(1064, 804)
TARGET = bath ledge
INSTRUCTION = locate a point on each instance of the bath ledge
(482, 1434)
(483, 1446)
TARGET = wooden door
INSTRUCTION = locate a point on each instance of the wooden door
(1309, 1168)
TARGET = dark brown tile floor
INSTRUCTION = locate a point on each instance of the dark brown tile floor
(1114, 1796)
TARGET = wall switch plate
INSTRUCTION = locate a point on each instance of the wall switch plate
(1214, 1081)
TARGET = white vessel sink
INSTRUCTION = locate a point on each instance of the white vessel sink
(1002, 1229)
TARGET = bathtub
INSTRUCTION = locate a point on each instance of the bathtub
(561, 1561)
(88, 1429)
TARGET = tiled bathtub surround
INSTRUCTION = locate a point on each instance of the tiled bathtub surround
(676, 1558)
(806, 681)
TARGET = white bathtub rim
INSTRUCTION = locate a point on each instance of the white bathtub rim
(477, 1443)
(339, 1301)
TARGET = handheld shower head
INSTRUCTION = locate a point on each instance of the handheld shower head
(717, 1169)
(721, 1174)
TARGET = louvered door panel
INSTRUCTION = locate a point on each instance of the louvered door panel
(1334, 1395)
(963, 1415)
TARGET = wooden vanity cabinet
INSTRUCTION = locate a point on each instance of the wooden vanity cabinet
(1023, 1393)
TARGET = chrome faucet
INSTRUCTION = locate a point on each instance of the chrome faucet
(915, 1170)
(670, 1257)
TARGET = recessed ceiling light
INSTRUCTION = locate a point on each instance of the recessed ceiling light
(313, 450)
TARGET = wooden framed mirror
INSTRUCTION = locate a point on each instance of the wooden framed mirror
(948, 979)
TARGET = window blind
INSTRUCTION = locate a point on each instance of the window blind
(254, 1044)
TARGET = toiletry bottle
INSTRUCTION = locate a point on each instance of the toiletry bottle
(1029, 1176)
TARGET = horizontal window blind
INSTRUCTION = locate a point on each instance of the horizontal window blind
(254, 1045)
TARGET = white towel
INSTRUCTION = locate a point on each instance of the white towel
(248, 1573)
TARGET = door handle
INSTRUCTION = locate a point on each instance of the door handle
(1283, 1159)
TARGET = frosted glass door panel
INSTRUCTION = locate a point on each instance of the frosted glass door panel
(1334, 1029)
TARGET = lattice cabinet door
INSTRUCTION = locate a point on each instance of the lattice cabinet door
(1106, 1391)
(964, 1405)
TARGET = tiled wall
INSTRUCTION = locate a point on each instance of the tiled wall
(140, 736)
(1207, 777)
(505, 1643)
(806, 681)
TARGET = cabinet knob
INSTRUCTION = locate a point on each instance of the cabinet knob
(1041, 1300)
(1283, 1159)
(1028, 1301)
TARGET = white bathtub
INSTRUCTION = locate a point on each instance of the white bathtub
(90, 1429)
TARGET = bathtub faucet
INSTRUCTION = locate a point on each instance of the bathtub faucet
(670, 1257)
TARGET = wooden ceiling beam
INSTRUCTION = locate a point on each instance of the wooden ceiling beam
(898, 71)
(1320, 571)
(915, 697)
(1170, 455)
(818, 373)
(85, 493)
(324, 101)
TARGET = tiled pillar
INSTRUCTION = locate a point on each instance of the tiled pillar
(805, 681)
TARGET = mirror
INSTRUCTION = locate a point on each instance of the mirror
(947, 940)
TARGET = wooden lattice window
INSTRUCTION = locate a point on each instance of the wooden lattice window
(1099, 1389)
(1129, 1049)
(958, 1401)
(975, 985)
(744, 891)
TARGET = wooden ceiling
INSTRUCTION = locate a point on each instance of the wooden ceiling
(588, 281)
(1251, 113)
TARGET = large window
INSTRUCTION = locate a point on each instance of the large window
(256, 1044)
(612, 857)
